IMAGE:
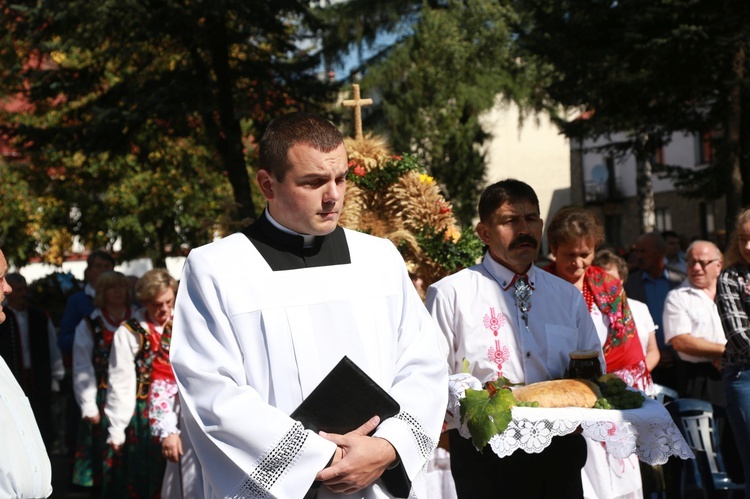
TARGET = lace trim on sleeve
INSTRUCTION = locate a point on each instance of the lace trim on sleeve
(273, 464)
(426, 444)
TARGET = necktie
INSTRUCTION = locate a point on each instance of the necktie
(522, 293)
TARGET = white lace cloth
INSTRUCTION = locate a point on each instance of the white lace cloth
(648, 431)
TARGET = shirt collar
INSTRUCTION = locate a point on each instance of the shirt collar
(503, 275)
(646, 277)
(90, 290)
(309, 240)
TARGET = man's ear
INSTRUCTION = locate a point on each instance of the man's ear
(483, 233)
(267, 183)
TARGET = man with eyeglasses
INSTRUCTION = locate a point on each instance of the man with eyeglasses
(693, 327)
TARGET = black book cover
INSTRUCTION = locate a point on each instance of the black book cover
(343, 401)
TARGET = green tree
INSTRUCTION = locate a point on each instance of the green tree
(134, 89)
(448, 63)
(646, 68)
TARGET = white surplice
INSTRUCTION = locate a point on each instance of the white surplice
(249, 344)
(25, 469)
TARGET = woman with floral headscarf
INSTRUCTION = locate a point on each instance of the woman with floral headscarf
(573, 235)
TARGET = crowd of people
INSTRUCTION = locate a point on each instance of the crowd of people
(188, 390)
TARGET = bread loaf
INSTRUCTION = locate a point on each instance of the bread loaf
(560, 393)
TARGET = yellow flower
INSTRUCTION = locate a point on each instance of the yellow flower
(452, 234)
(423, 177)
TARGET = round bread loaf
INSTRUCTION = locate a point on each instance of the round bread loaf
(560, 393)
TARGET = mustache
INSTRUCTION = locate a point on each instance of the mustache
(523, 239)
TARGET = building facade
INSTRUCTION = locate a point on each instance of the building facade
(607, 185)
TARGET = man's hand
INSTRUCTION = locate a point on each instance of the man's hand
(359, 460)
(171, 447)
(94, 419)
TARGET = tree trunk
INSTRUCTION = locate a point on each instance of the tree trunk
(739, 170)
(232, 152)
(223, 128)
(644, 185)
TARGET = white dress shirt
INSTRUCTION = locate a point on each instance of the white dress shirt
(25, 469)
(84, 375)
(644, 323)
(689, 310)
(475, 308)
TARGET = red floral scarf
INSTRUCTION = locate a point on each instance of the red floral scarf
(622, 347)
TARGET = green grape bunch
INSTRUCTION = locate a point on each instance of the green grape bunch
(616, 395)
(530, 403)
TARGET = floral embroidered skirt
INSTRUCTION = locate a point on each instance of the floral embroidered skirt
(137, 470)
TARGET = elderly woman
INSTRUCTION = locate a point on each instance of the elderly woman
(91, 348)
(135, 346)
(733, 302)
(617, 267)
(574, 234)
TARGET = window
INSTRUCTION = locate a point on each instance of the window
(663, 219)
(708, 220)
(704, 147)
(657, 160)
(612, 227)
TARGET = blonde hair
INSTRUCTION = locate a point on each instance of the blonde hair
(733, 256)
(153, 283)
(107, 280)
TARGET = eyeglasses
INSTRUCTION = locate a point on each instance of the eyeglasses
(702, 263)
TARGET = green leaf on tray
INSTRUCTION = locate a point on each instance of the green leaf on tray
(486, 412)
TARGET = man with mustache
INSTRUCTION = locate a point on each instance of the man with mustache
(508, 318)
(25, 469)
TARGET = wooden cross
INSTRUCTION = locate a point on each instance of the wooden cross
(357, 104)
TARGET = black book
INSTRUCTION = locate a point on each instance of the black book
(343, 401)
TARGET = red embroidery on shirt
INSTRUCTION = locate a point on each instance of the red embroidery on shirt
(494, 322)
(499, 353)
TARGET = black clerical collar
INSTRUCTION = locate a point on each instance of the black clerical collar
(285, 251)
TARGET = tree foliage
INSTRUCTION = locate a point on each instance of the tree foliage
(647, 68)
(450, 61)
(143, 114)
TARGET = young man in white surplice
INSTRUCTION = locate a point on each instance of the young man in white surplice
(263, 315)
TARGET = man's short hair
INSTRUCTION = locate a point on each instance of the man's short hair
(658, 240)
(99, 255)
(508, 190)
(289, 130)
(670, 233)
(713, 246)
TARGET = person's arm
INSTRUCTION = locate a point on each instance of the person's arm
(57, 368)
(243, 443)
(84, 375)
(420, 380)
(652, 351)
(163, 414)
(121, 385)
(162, 408)
(733, 312)
(700, 347)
